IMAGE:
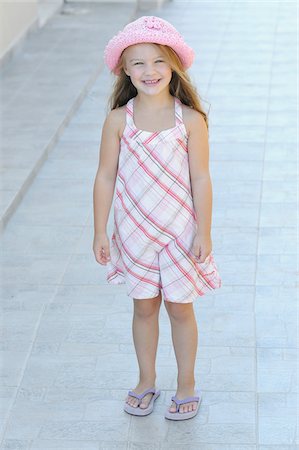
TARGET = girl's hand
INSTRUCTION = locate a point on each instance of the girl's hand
(101, 248)
(202, 246)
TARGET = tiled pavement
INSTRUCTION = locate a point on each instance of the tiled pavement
(67, 351)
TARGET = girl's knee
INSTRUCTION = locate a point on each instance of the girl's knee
(179, 311)
(145, 308)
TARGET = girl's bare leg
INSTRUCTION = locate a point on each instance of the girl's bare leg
(184, 338)
(145, 328)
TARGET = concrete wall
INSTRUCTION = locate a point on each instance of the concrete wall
(16, 18)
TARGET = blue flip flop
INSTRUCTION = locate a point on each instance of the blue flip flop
(185, 415)
(137, 411)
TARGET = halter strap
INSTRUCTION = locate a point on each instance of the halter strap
(129, 113)
(178, 111)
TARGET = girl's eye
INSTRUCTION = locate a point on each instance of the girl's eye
(159, 60)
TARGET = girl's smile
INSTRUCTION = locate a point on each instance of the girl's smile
(151, 82)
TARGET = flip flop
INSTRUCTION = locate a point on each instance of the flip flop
(136, 410)
(185, 415)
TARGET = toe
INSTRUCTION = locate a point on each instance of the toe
(187, 407)
(173, 407)
(135, 402)
(132, 401)
(182, 408)
(145, 401)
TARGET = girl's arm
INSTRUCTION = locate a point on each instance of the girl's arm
(106, 174)
(198, 150)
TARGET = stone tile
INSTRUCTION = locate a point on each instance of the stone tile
(276, 171)
(226, 328)
(237, 269)
(107, 445)
(277, 418)
(59, 215)
(243, 151)
(143, 432)
(276, 299)
(44, 370)
(276, 269)
(46, 269)
(280, 152)
(278, 447)
(40, 413)
(238, 118)
(276, 241)
(241, 191)
(227, 378)
(241, 240)
(145, 446)
(276, 370)
(20, 297)
(53, 444)
(81, 132)
(229, 407)
(94, 274)
(233, 364)
(16, 444)
(32, 239)
(228, 299)
(203, 446)
(7, 394)
(278, 214)
(12, 363)
(276, 330)
(276, 192)
(117, 429)
(277, 134)
(87, 150)
(239, 214)
(238, 171)
(211, 433)
(68, 170)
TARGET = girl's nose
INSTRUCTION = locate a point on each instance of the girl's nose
(149, 69)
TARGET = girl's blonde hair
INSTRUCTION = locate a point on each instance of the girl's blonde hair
(180, 85)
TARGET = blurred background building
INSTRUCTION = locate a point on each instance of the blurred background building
(19, 18)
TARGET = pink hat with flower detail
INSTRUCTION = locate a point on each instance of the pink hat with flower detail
(147, 29)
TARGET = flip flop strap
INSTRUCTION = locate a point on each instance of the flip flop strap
(183, 401)
(143, 394)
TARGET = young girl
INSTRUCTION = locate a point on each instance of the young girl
(154, 148)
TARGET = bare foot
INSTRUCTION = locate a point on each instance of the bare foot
(132, 401)
(191, 406)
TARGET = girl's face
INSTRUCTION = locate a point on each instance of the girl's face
(144, 63)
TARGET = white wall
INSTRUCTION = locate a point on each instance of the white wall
(16, 17)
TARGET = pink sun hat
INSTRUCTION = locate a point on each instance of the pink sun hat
(147, 29)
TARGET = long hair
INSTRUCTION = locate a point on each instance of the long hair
(180, 85)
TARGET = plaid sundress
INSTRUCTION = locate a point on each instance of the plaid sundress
(154, 217)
